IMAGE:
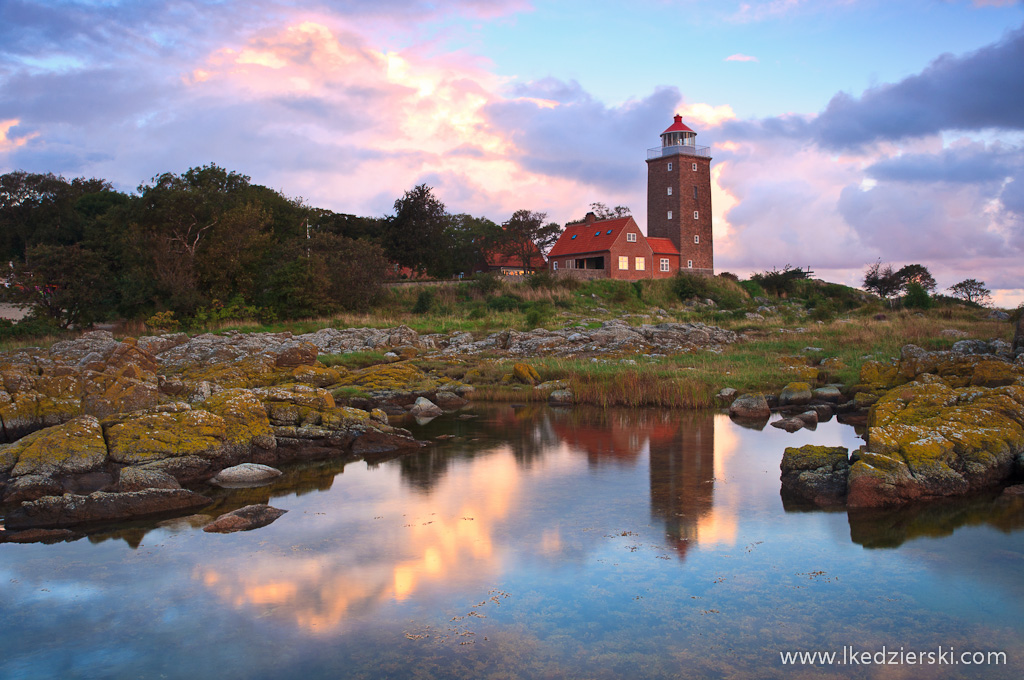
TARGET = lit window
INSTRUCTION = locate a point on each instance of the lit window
(623, 262)
(555, 264)
(695, 167)
(669, 214)
(631, 237)
(670, 191)
(664, 264)
(695, 215)
(640, 264)
(696, 238)
(670, 166)
(689, 264)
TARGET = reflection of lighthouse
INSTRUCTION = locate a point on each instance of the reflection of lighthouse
(682, 478)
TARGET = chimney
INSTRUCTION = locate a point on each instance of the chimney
(591, 218)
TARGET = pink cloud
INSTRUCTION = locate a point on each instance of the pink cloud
(741, 57)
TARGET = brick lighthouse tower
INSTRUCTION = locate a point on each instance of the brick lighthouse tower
(679, 197)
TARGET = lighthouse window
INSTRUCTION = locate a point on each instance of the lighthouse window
(669, 214)
(696, 238)
(695, 192)
(695, 215)
(670, 191)
(670, 167)
(695, 167)
(631, 237)
(555, 263)
(689, 264)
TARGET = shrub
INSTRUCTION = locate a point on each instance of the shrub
(917, 297)
(688, 286)
(780, 282)
(163, 322)
(541, 279)
(753, 288)
(505, 303)
(538, 313)
(424, 301)
(487, 284)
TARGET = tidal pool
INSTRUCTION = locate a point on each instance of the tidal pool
(536, 543)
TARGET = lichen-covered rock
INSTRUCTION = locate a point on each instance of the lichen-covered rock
(303, 354)
(31, 487)
(828, 393)
(244, 519)
(932, 440)
(995, 373)
(525, 373)
(72, 448)
(795, 394)
(817, 474)
(449, 400)
(71, 509)
(878, 374)
(400, 377)
(246, 423)
(145, 437)
(124, 393)
(316, 375)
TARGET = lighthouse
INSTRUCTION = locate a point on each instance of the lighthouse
(679, 196)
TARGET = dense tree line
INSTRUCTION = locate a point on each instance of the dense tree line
(80, 251)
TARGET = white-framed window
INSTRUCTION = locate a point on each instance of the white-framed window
(555, 265)
(696, 238)
(696, 215)
(670, 167)
(689, 264)
(631, 236)
(664, 264)
(695, 167)
(669, 214)
(670, 191)
(623, 262)
(640, 263)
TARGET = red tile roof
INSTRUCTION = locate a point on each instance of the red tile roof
(677, 126)
(663, 246)
(589, 238)
(501, 260)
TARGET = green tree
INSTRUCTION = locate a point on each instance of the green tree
(65, 283)
(916, 297)
(603, 212)
(971, 291)
(525, 236)
(882, 280)
(916, 273)
(419, 234)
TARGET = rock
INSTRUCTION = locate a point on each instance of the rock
(817, 474)
(31, 487)
(304, 354)
(526, 374)
(379, 415)
(808, 418)
(244, 519)
(972, 347)
(150, 436)
(72, 448)
(40, 536)
(788, 424)
(140, 479)
(70, 509)
(750, 406)
(246, 473)
(424, 408)
(998, 315)
(795, 393)
(828, 393)
(727, 395)
(560, 397)
(953, 333)
(1017, 346)
(449, 400)
(1017, 491)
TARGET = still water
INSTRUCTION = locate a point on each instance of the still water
(536, 543)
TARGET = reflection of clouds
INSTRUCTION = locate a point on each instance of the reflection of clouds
(445, 536)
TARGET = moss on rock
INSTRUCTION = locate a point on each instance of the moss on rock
(150, 436)
(72, 448)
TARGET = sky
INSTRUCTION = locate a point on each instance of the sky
(843, 132)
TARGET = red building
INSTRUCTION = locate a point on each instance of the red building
(678, 221)
(511, 265)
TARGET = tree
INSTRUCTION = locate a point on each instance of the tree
(916, 273)
(525, 236)
(971, 291)
(882, 280)
(603, 212)
(781, 282)
(66, 283)
(418, 235)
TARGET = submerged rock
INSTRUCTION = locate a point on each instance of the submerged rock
(750, 406)
(71, 510)
(244, 519)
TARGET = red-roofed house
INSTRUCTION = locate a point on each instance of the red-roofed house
(510, 265)
(678, 221)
